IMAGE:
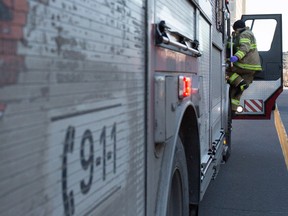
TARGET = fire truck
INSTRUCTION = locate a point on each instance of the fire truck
(120, 107)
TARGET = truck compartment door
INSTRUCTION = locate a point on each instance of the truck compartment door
(259, 99)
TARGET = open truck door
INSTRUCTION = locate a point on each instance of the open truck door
(259, 99)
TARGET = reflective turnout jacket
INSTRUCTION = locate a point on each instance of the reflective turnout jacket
(246, 50)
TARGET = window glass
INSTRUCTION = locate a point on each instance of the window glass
(264, 30)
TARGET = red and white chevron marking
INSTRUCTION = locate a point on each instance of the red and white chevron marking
(253, 105)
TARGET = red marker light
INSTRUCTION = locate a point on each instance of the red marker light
(184, 86)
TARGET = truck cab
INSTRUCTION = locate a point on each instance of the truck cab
(259, 99)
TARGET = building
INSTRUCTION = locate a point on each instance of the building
(237, 8)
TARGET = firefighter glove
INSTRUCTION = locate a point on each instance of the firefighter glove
(233, 59)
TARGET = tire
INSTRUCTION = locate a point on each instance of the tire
(178, 200)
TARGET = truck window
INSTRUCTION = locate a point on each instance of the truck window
(263, 30)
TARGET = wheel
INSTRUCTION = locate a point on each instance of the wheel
(178, 201)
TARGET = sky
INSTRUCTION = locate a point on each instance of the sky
(271, 7)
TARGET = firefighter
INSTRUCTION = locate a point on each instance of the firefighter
(245, 61)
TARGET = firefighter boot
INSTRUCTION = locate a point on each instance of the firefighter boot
(241, 87)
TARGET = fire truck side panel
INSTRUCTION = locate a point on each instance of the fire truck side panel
(169, 111)
(167, 64)
(183, 18)
(179, 16)
(175, 116)
(204, 89)
(218, 86)
(72, 83)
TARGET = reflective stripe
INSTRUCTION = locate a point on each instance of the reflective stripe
(242, 87)
(244, 40)
(240, 54)
(248, 66)
(253, 46)
(233, 77)
(235, 101)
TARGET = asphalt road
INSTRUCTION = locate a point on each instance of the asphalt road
(254, 182)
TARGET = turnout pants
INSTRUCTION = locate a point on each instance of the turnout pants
(239, 80)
